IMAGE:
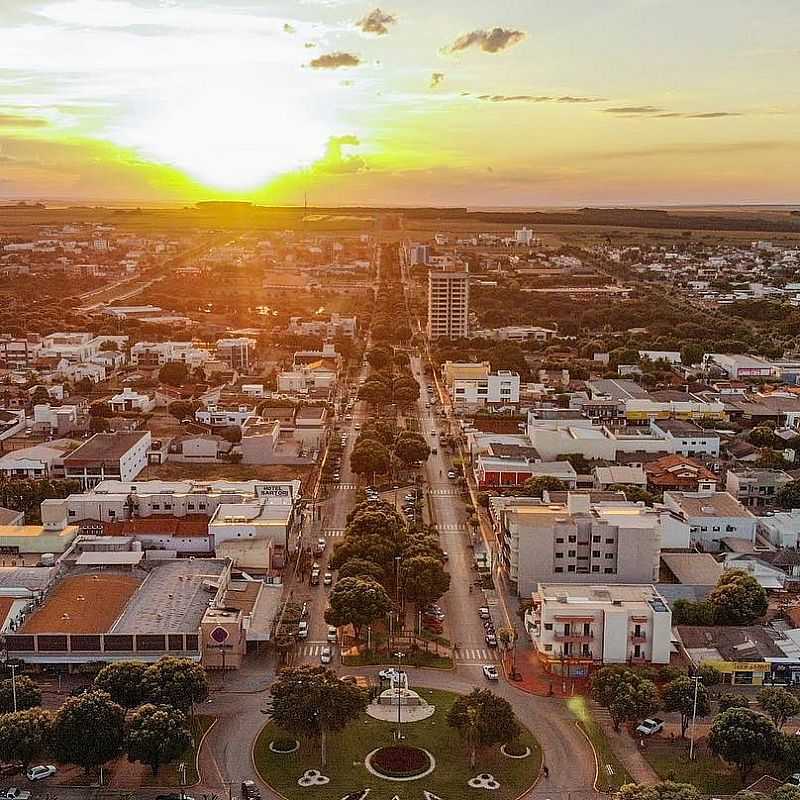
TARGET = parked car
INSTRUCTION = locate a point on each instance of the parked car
(327, 579)
(40, 772)
(483, 612)
(331, 635)
(650, 726)
(14, 794)
(250, 791)
(491, 640)
(302, 629)
(490, 672)
(325, 656)
(314, 581)
(173, 796)
(451, 473)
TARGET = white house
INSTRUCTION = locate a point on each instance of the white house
(496, 389)
(130, 400)
(712, 517)
(119, 456)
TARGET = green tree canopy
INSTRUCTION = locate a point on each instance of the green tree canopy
(28, 694)
(357, 602)
(424, 579)
(733, 700)
(666, 790)
(679, 695)
(88, 730)
(156, 735)
(370, 457)
(778, 704)
(788, 496)
(738, 599)
(312, 702)
(743, 738)
(173, 373)
(25, 736)
(411, 447)
(633, 702)
(483, 719)
(361, 567)
(535, 487)
(178, 682)
(124, 681)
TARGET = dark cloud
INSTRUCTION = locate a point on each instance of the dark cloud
(713, 115)
(13, 121)
(536, 98)
(287, 28)
(436, 79)
(377, 21)
(335, 60)
(634, 110)
(490, 41)
(338, 163)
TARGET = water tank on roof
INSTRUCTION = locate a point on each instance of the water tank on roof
(136, 547)
(47, 559)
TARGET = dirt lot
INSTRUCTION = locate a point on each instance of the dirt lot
(91, 602)
(224, 472)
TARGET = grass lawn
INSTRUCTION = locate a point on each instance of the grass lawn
(711, 775)
(346, 752)
(611, 774)
(417, 659)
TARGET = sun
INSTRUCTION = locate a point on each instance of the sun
(234, 137)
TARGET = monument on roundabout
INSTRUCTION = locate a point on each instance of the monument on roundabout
(398, 703)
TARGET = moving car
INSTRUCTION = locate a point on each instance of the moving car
(250, 791)
(331, 635)
(327, 579)
(650, 726)
(319, 549)
(40, 772)
(451, 473)
(325, 656)
(483, 612)
(302, 630)
(490, 672)
(314, 581)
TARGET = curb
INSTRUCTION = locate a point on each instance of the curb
(596, 760)
(255, 767)
(199, 748)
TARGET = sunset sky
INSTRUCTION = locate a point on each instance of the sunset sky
(447, 102)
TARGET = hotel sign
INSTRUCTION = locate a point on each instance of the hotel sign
(274, 490)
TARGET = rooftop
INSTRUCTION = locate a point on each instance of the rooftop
(106, 447)
(680, 427)
(617, 389)
(717, 504)
(698, 569)
(173, 597)
(729, 643)
(592, 595)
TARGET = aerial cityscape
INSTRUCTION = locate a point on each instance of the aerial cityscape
(399, 403)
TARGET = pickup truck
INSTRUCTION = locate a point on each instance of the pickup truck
(14, 794)
(650, 726)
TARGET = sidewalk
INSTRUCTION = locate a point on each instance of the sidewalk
(536, 680)
(625, 747)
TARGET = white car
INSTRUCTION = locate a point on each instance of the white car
(490, 672)
(331, 635)
(325, 656)
(302, 630)
(14, 794)
(793, 779)
(41, 772)
(650, 726)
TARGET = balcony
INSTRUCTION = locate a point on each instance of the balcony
(574, 638)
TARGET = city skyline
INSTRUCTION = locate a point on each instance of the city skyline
(526, 104)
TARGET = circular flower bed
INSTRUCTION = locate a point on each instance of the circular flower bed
(284, 745)
(515, 750)
(400, 761)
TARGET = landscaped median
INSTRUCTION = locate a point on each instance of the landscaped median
(431, 757)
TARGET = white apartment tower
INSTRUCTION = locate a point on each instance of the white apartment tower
(448, 304)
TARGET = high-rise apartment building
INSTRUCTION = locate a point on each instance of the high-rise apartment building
(448, 304)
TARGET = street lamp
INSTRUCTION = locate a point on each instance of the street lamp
(399, 655)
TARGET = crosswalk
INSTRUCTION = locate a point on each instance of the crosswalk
(336, 486)
(474, 655)
(311, 649)
(333, 533)
(449, 492)
(455, 526)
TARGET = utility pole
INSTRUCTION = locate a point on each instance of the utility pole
(14, 684)
(696, 679)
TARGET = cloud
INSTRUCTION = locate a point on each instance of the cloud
(377, 22)
(336, 162)
(537, 98)
(489, 41)
(713, 115)
(309, 45)
(287, 28)
(634, 110)
(693, 149)
(335, 60)
(13, 121)
(436, 79)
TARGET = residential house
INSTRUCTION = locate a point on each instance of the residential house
(756, 488)
(712, 517)
(678, 473)
(118, 456)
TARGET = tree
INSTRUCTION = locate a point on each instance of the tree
(607, 681)
(733, 700)
(370, 457)
(424, 579)
(691, 612)
(379, 357)
(483, 719)
(666, 790)
(778, 704)
(28, 694)
(357, 602)
(634, 494)
(411, 447)
(535, 487)
(709, 676)
(743, 738)
(24, 736)
(692, 354)
(178, 682)
(374, 392)
(182, 409)
(88, 730)
(124, 681)
(763, 436)
(789, 495)
(156, 735)
(679, 695)
(738, 599)
(786, 792)
(173, 373)
(312, 702)
(634, 701)
(361, 567)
